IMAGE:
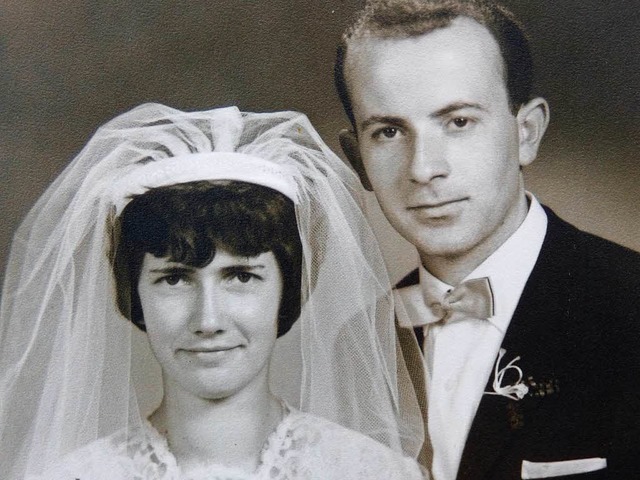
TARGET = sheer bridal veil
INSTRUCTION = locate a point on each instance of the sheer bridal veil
(66, 352)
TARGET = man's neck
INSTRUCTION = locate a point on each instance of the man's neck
(453, 269)
(449, 270)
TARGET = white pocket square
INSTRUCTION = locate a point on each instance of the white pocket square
(559, 469)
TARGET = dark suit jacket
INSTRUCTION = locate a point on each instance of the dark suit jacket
(577, 331)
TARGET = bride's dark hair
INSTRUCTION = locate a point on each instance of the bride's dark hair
(188, 222)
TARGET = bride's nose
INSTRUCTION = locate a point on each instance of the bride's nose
(208, 315)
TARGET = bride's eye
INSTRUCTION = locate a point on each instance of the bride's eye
(241, 274)
(172, 279)
(244, 277)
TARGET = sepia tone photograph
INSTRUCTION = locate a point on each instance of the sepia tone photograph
(340, 239)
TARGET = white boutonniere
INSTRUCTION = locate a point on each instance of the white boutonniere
(516, 391)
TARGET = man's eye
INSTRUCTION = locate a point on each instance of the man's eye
(387, 132)
(460, 122)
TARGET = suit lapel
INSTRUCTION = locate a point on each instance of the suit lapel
(532, 336)
(410, 341)
(412, 357)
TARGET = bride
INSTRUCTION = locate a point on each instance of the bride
(236, 242)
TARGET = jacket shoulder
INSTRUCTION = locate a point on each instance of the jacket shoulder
(602, 257)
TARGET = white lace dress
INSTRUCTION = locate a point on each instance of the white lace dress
(302, 447)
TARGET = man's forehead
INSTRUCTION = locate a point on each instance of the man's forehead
(464, 49)
(463, 32)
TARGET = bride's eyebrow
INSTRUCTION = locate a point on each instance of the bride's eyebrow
(172, 269)
(242, 267)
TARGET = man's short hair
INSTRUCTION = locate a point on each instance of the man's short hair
(188, 222)
(410, 18)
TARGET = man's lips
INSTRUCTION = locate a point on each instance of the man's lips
(433, 205)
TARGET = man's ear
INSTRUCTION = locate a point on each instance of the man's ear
(351, 148)
(533, 118)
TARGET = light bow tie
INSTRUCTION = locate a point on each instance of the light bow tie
(472, 297)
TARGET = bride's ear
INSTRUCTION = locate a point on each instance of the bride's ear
(351, 149)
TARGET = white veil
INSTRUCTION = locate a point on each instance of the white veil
(66, 352)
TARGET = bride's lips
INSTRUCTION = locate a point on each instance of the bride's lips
(210, 354)
(210, 349)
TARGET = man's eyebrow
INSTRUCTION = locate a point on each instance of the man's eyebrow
(457, 106)
(400, 122)
(387, 120)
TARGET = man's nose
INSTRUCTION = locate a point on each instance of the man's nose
(208, 316)
(428, 159)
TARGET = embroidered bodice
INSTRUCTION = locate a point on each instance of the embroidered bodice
(303, 446)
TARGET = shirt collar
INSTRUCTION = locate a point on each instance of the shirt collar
(508, 269)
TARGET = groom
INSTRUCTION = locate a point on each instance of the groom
(530, 328)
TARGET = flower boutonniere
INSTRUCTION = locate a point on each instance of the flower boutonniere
(515, 391)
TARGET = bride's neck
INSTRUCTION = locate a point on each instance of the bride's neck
(230, 431)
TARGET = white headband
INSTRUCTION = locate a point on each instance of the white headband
(204, 166)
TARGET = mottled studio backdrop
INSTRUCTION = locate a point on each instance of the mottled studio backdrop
(68, 66)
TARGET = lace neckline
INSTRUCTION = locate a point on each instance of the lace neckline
(166, 459)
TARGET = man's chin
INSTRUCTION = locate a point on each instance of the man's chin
(450, 246)
(438, 240)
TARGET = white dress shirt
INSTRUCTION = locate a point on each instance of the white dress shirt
(460, 353)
